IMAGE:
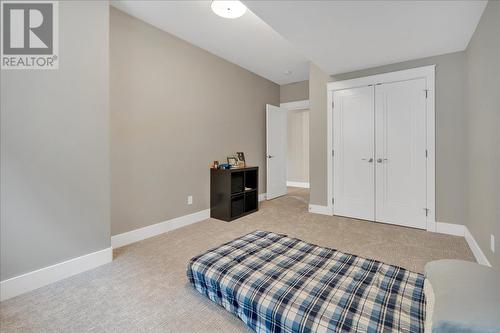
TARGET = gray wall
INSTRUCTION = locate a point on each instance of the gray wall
(450, 126)
(298, 146)
(317, 135)
(55, 149)
(483, 128)
(174, 109)
(297, 91)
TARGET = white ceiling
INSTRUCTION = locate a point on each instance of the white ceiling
(339, 36)
(246, 41)
(342, 36)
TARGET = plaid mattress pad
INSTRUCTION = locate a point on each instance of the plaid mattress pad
(275, 283)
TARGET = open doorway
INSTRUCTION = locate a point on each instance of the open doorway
(298, 149)
(297, 178)
(297, 162)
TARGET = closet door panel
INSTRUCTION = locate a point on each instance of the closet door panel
(353, 142)
(400, 141)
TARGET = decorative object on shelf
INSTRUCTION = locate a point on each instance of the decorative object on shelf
(232, 161)
(241, 159)
(215, 165)
(224, 166)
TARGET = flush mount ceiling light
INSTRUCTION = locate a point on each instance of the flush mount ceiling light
(228, 9)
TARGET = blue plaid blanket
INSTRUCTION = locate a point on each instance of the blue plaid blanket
(275, 283)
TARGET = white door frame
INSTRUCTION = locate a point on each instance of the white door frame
(297, 105)
(426, 72)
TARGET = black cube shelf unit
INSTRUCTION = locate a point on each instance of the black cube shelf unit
(233, 192)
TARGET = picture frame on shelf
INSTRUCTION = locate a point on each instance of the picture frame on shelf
(232, 161)
(241, 159)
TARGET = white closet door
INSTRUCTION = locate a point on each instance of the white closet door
(353, 142)
(400, 141)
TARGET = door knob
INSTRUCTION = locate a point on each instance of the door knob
(370, 160)
(270, 156)
(380, 160)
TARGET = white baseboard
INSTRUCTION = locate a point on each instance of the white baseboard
(158, 228)
(47, 275)
(450, 229)
(317, 209)
(297, 184)
(476, 250)
(463, 231)
(136, 235)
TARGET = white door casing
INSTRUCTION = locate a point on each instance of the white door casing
(353, 158)
(427, 75)
(400, 145)
(276, 147)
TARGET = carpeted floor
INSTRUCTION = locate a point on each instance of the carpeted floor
(145, 288)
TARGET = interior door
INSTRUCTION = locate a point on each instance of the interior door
(353, 158)
(400, 141)
(276, 142)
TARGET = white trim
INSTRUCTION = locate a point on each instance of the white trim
(476, 250)
(430, 75)
(450, 229)
(403, 75)
(297, 105)
(463, 231)
(329, 150)
(33, 280)
(136, 235)
(158, 228)
(297, 184)
(267, 149)
(427, 72)
(318, 209)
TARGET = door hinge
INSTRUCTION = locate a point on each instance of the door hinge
(426, 153)
(333, 105)
(333, 152)
(333, 201)
(426, 92)
(426, 212)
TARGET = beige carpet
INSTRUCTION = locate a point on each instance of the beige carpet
(145, 289)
